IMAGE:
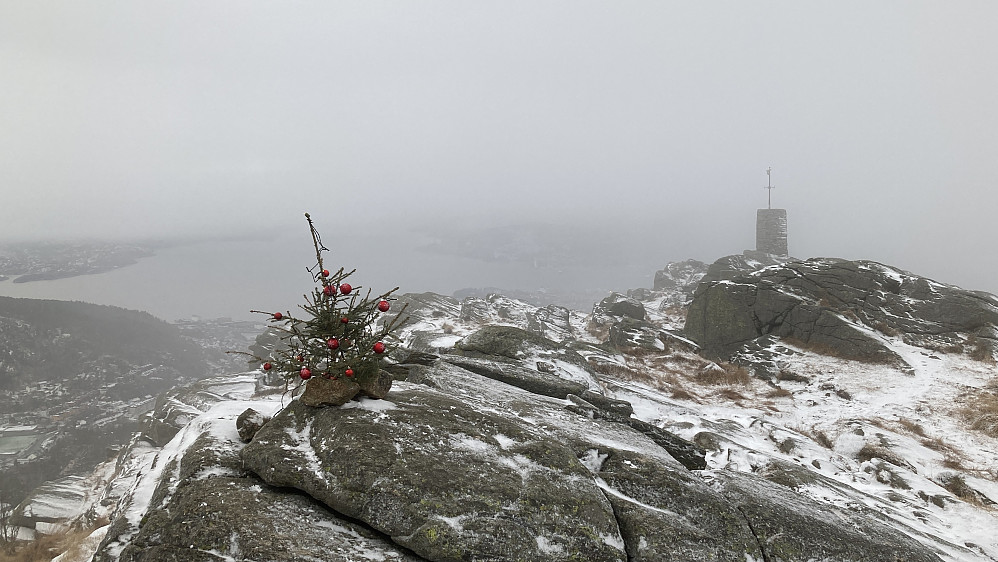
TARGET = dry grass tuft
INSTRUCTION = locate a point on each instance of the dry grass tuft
(726, 374)
(911, 426)
(957, 486)
(779, 392)
(818, 436)
(980, 350)
(730, 394)
(981, 412)
(953, 462)
(45, 547)
(869, 452)
(447, 328)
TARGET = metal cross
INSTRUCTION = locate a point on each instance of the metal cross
(770, 186)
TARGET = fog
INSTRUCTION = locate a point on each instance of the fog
(645, 126)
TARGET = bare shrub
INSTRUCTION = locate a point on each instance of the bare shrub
(447, 328)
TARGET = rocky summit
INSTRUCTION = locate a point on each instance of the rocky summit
(848, 308)
(521, 433)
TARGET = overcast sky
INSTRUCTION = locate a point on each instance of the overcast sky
(879, 119)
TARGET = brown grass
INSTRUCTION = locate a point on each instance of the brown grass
(45, 547)
(981, 412)
(779, 392)
(869, 452)
(680, 393)
(911, 426)
(730, 394)
(980, 350)
(957, 486)
(729, 375)
(953, 462)
(817, 435)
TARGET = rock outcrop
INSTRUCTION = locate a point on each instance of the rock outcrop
(506, 446)
(846, 308)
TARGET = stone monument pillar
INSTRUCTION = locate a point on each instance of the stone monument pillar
(771, 225)
(771, 231)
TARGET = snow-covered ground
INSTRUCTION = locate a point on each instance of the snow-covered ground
(872, 438)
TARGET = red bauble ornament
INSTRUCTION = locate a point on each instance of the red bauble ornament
(348, 372)
(267, 366)
(379, 347)
(325, 273)
(383, 306)
(278, 316)
(344, 320)
(333, 343)
(305, 373)
(329, 290)
(301, 358)
(345, 288)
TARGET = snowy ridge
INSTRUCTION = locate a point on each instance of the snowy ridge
(887, 443)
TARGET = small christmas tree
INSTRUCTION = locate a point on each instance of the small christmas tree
(337, 347)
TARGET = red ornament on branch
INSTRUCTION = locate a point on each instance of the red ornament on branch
(305, 373)
(329, 290)
(345, 320)
(383, 306)
(379, 347)
(345, 288)
(325, 273)
(348, 372)
(278, 316)
(333, 343)
(267, 366)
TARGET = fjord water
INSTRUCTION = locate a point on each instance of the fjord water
(230, 277)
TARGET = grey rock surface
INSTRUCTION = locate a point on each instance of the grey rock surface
(791, 528)
(843, 307)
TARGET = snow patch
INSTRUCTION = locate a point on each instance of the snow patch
(547, 547)
(593, 460)
(370, 404)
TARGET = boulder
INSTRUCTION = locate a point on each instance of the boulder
(320, 391)
(377, 385)
(504, 341)
(248, 423)
(619, 305)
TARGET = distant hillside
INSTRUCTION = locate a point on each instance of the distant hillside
(56, 340)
